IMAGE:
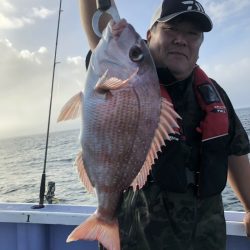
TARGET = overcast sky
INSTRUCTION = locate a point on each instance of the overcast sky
(27, 42)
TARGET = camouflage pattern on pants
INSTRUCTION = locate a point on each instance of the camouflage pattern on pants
(152, 219)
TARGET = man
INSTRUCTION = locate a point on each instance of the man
(180, 207)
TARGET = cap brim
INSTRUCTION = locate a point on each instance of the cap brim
(202, 19)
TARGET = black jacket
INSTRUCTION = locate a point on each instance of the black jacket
(187, 161)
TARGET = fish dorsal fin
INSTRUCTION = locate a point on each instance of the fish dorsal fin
(83, 174)
(166, 126)
(113, 83)
(72, 109)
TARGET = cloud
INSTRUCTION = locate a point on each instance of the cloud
(13, 22)
(6, 42)
(219, 11)
(232, 77)
(6, 6)
(228, 71)
(21, 69)
(11, 55)
(42, 12)
(25, 88)
(13, 17)
(77, 60)
(33, 56)
(9, 18)
(42, 50)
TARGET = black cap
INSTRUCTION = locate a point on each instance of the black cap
(173, 8)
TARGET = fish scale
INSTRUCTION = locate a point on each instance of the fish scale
(107, 129)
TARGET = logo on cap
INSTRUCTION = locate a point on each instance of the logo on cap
(191, 5)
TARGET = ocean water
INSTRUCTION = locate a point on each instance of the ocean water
(22, 161)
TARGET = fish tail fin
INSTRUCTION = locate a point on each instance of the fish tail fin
(95, 229)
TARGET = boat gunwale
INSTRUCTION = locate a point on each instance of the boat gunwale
(67, 214)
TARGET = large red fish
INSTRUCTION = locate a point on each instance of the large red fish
(124, 123)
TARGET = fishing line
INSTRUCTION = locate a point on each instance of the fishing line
(43, 178)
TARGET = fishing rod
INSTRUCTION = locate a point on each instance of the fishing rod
(43, 178)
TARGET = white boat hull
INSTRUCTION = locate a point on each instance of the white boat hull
(24, 228)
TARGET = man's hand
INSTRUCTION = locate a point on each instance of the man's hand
(247, 223)
(118, 27)
(239, 176)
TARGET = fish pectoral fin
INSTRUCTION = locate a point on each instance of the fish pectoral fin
(112, 83)
(83, 174)
(166, 126)
(95, 229)
(72, 109)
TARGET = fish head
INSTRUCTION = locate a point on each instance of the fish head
(122, 56)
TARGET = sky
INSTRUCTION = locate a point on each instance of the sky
(27, 47)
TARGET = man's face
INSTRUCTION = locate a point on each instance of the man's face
(175, 45)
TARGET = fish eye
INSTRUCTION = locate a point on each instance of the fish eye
(135, 54)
